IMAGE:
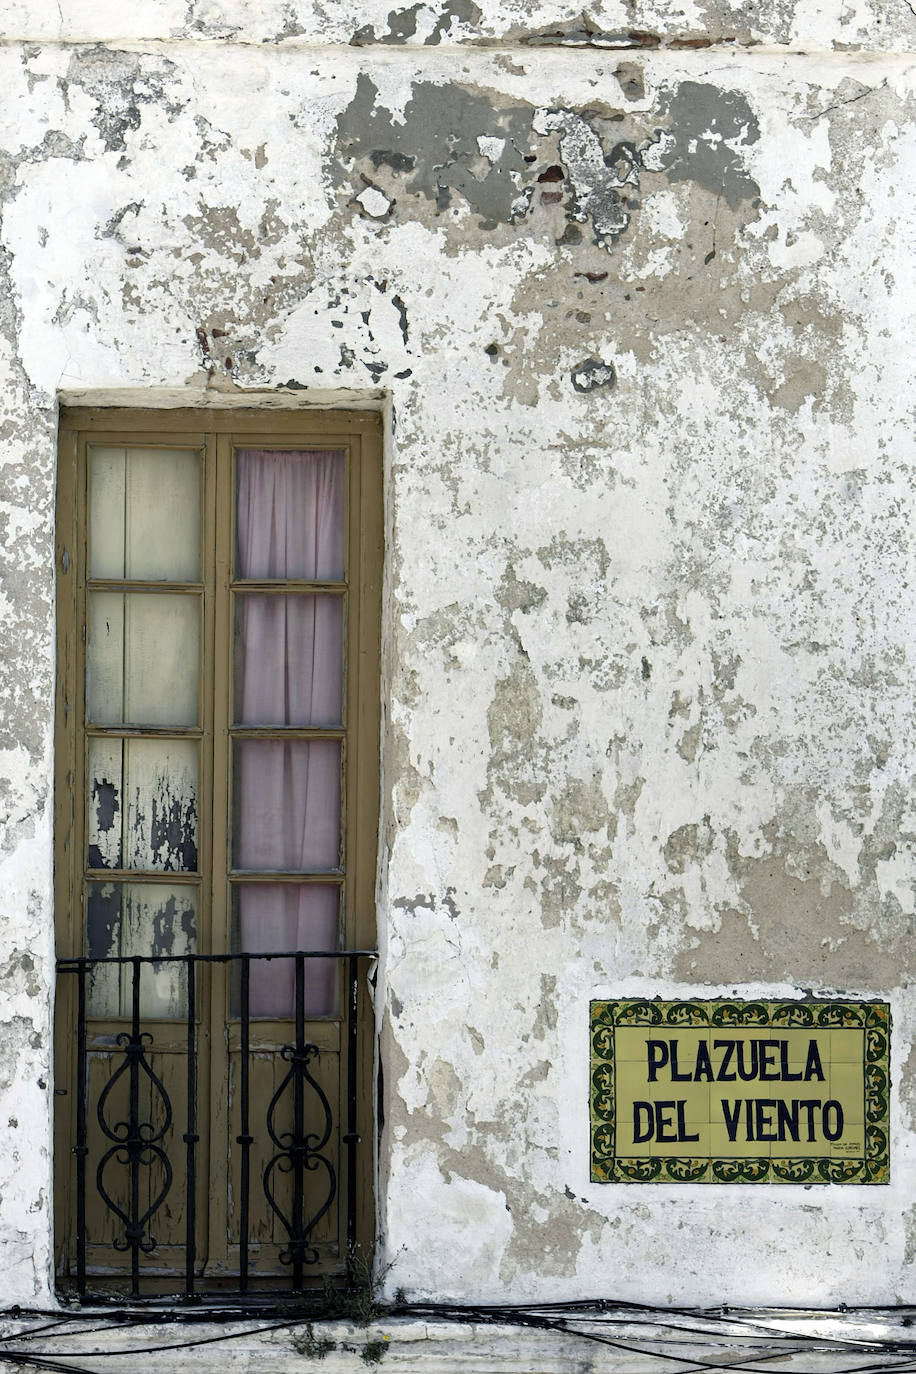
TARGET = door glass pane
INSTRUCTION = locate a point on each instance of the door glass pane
(143, 804)
(143, 658)
(145, 919)
(144, 513)
(288, 659)
(283, 917)
(290, 509)
(287, 804)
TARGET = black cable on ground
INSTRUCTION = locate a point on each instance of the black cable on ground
(572, 1319)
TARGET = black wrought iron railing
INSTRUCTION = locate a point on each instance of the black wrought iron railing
(137, 1142)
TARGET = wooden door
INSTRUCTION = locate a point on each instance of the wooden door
(217, 802)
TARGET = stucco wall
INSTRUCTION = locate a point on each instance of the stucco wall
(640, 315)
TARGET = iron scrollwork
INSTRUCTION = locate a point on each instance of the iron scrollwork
(299, 1151)
(135, 1145)
(138, 1125)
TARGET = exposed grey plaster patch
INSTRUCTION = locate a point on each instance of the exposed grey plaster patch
(579, 808)
(805, 378)
(27, 593)
(514, 595)
(453, 17)
(498, 875)
(218, 227)
(15, 1034)
(905, 1055)
(808, 925)
(291, 27)
(120, 83)
(55, 143)
(889, 832)
(422, 1124)
(516, 754)
(849, 92)
(588, 557)
(593, 373)
(204, 19)
(689, 744)
(435, 152)
(688, 845)
(401, 308)
(213, 141)
(538, 1073)
(603, 182)
(8, 175)
(438, 633)
(502, 1154)
(632, 81)
(577, 609)
(548, 1243)
(408, 787)
(557, 889)
(545, 1021)
(438, 138)
(652, 290)
(112, 228)
(417, 903)
(548, 1230)
(398, 162)
(707, 127)
(446, 1090)
(909, 1233)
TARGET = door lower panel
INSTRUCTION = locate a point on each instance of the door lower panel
(271, 1188)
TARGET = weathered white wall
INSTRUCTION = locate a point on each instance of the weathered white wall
(649, 629)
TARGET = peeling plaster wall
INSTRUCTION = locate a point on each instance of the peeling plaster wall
(642, 323)
(837, 25)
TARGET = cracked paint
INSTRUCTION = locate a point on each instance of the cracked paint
(641, 324)
(435, 149)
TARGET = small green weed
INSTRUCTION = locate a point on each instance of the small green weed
(373, 1352)
(311, 1346)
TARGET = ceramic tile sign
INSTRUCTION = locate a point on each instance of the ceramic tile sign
(739, 1092)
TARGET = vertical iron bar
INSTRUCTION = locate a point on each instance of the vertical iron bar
(352, 1136)
(298, 1238)
(133, 1139)
(245, 1139)
(82, 1132)
(191, 1135)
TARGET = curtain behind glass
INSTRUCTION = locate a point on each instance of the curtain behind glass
(290, 525)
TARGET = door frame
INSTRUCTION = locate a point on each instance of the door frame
(216, 431)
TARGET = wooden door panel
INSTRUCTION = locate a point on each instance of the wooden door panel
(273, 1068)
(139, 1146)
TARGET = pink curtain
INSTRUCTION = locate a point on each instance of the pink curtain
(289, 654)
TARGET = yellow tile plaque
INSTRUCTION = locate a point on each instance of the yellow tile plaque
(740, 1092)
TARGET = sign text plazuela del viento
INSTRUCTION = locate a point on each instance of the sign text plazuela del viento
(739, 1092)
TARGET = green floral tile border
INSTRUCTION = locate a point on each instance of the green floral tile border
(872, 1017)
